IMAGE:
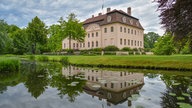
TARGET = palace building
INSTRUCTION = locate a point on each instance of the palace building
(116, 28)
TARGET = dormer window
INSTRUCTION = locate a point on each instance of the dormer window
(137, 23)
(131, 21)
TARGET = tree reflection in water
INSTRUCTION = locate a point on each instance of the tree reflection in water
(176, 85)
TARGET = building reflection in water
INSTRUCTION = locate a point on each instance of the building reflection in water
(112, 86)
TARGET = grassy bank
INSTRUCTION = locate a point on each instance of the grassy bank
(174, 62)
(9, 64)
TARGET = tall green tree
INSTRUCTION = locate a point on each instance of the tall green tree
(55, 38)
(73, 29)
(149, 39)
(21, 43)
(37, 33)
(3, 35)
(176, 17)
(164, 45)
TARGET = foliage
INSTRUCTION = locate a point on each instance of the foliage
(176, 18)
(149, 39)
(164, 45)
(64, 60)
(20, 41)
(9, 64)
(37, 33)
(72, 29)
(135, 49)
(126, 49)
(31, 57)
(43, 58)
(186, 49)
(97, 49)
(55, 38)
(111, 48)
(3, 35)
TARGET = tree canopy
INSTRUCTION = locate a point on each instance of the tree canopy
(164, 45)
(73, 29)
(176, 17)
(149, 40)
(37, 33)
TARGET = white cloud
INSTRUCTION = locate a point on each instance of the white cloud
(51, 10)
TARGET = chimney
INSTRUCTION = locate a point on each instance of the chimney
(108, 10)
(129, 11)
(92, 16)
(100, 14)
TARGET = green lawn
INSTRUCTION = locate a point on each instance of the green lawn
(150, 61)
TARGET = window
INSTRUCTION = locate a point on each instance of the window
(140, 43)
(92, 44)
(112, 85)
(88, 44)
(125, 30)
(97, 44)
(128, 31)
(64, 45)
(96, 34)
(120, 29)
(124, 41)
(92, 34)
(121, 41)
(112, 29)
(131, 31)
(128, 42)
(135, 43)
(77, 45)
(88, 35)
(105, 30)
(73, 45)
(135, 32)
(125, 84)
(105, 84)
(131, 42)
(92, 78)
(83, 44)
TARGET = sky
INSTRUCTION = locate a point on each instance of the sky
(21, 12)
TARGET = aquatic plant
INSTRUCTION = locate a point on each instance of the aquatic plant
(9, 64)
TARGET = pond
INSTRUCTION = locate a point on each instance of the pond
(52, 85)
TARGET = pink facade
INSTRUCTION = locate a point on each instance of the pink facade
(113, 28)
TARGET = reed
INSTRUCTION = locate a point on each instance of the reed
(9, 64)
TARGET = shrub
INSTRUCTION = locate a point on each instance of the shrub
(43, 58)
(135, 49)
(97, 49)
(111, 48)
(70, 51)
(126, 49)
(31, 57)
(64, 60)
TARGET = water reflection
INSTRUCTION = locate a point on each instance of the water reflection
(114, 87)
(50, 85)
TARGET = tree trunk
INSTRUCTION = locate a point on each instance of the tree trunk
(34, 48)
